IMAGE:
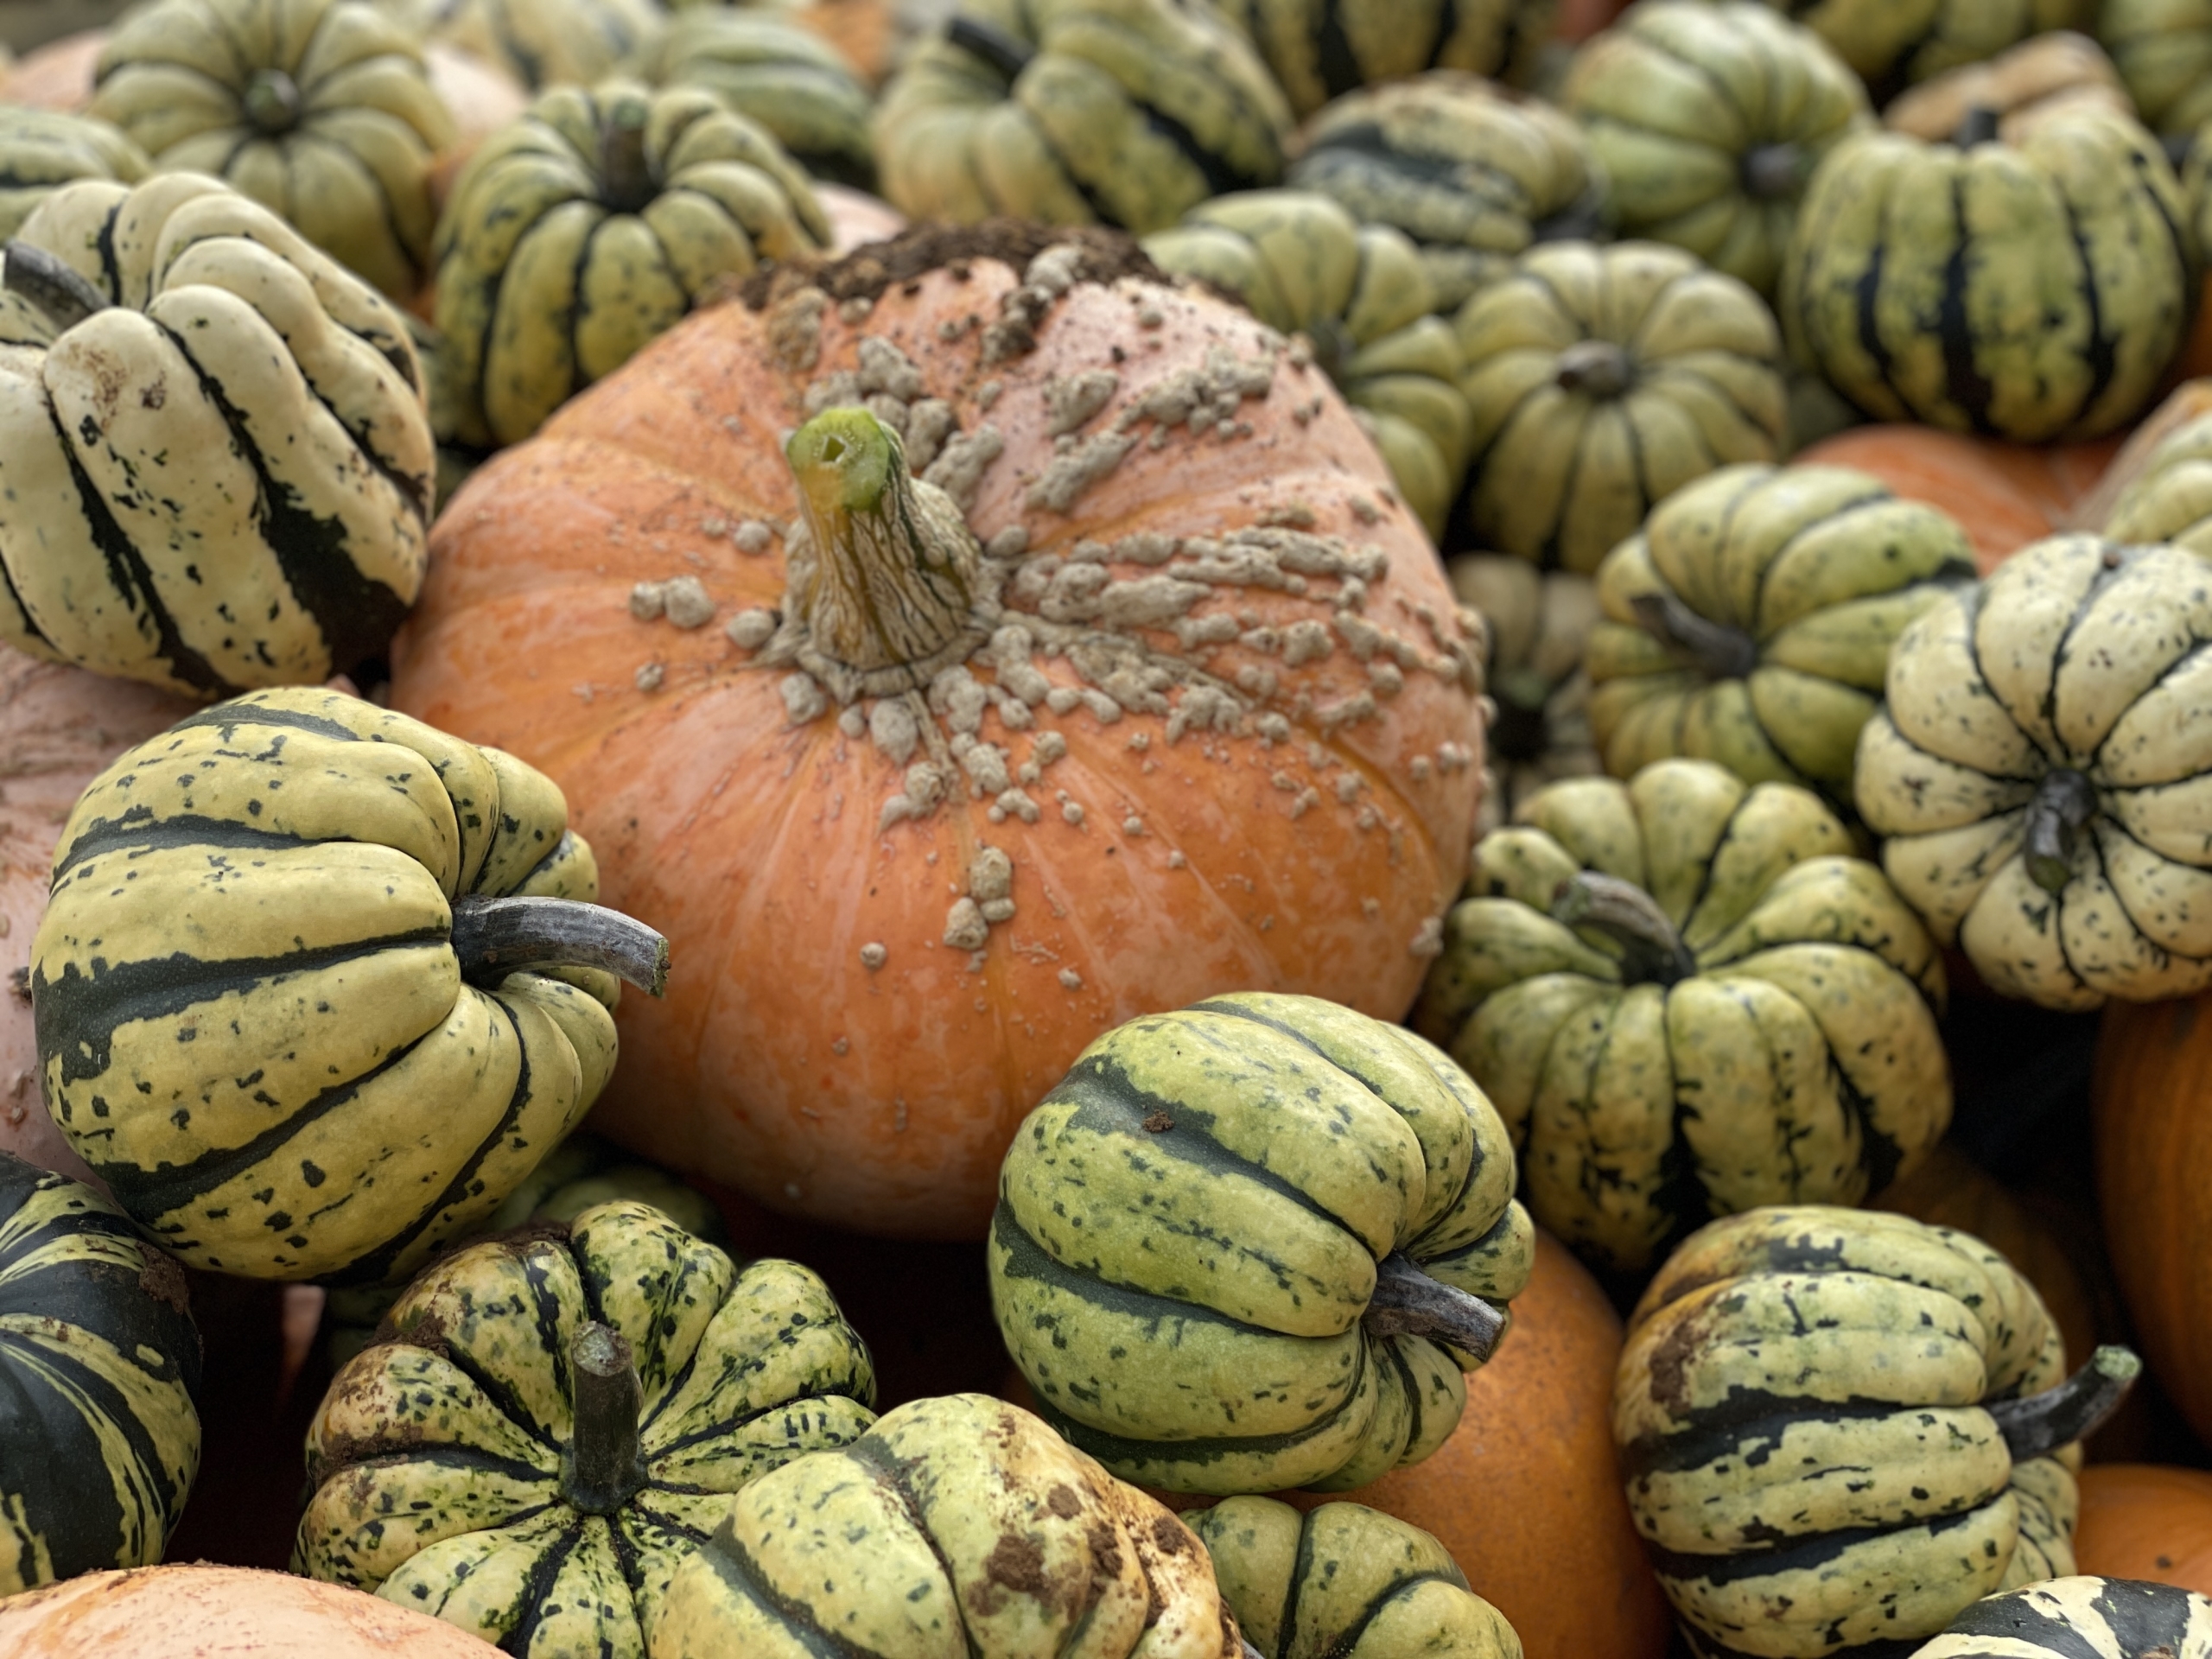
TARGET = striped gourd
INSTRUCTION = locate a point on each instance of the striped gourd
(1894, 43)
(99, 1363)
(322, 111)
(1536, 625)
(215, 459)
(579, 232)
(1748, 622)
(1127, 112)
(556, 1419)
(2168, 496)
(2067, 1618)
(958, 1525)
(1359, 293)
(1344, 1581)
(1688, 998)
(772, 71)
(1602, 380)
(1707, 121)
(297, 989)
(1301, 1217)
(544, 42)
(1913, 266)
(1321, 49)
(1838, 1429)
(2040, 769)
(2163, 49)
(1472, 171)
(41, 151)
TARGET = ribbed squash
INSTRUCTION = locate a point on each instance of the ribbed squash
(1316, 1206)
(2020, 88)
(2065, 1617)
(2034, 290)
(2040, 772)
(589, 226)
(1344, 1581)
(2163, 49)
(99, 1362)
(1688, 998)
(1536, 623)
(1472, 171)
(1129, 112)
(956, 1525)
(1894, 43)
(551, 1422)
(772, 71)
(1748, 622)
(1707, 121)
(41, 150)
(1359, 295)
(215, 463)
(1775, 1348)
(544, 42)
(1321, 49)
(1602, 380)
(2168, 494)
(322, 111)
(296, 988)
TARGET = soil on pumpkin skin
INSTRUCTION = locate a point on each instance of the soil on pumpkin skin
(866, 272)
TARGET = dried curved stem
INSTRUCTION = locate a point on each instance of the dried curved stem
(991, 44)
(1719, 652)
(1653, 952)
(606, 1463)
(59, 293)
(2040, 1424)
(1979, 125)
(1408, 1303)
(494, 938)
(2059, 811)
(626, 178)
(1596, 368)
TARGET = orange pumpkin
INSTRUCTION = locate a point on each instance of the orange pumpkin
(56, 76)
(1218, 729)
(2147, 1520)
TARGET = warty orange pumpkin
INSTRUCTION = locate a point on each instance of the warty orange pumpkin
(1151, 689)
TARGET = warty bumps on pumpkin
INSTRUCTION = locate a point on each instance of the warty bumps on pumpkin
(1186, 706)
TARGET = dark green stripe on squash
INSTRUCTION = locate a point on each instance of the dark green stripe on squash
(1805, 1554)
(2143, 1619)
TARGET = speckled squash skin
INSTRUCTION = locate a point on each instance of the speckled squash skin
(1777, 1344)
(544, 42)
(1894, 43)
(956, 1525)
(1218, 1189)
(772, 71)
(41, 151)
(442, 1458)
(2125, 1618)
(1321, 49)
(2168, 493)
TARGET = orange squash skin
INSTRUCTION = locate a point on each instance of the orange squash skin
(1159, 869)
(2147, 1520)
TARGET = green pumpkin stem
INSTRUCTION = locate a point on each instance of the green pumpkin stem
(606, 1463)
(2059, 811)
(626, 173)
(1596, 368)
(991, 44)
(1408, 1303)
(2039, 1425)
(58, 293)
(1775, 172)
(1718, 651)
(1652, 952)
(494, 938)
(1979, 125)
(272, 101)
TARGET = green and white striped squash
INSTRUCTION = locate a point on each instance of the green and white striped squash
(41, 151)
(1778, 1349)
(313, 994)
(788, 79)
(1689, 999)
(956, 1526)
(2065, 1618)
(1472, 171)
(2043, 775)
(1301, 1219)
(322, 111)
(1302, 264)
(1602, 380)
(1344, 1581)
(1748, 622)
(2030, 292)
(1707, 122)
(99, 1362)
(544, 42)
(1535, 627)
(554, 1420)
(2163, 49)
(1126, 112)
(215, 461)
(1320, 49)
(585, 230)
(2168, 497)
(1894, 43)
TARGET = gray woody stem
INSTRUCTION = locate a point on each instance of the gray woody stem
(2060, 809)
(496, 937)
(2040, 1424)
(1408, 1303)
(1653, 952)
(1719, 652)
(606, 1467)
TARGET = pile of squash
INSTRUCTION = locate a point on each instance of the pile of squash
(1539, 675)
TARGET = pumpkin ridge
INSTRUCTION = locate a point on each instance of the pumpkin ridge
(888, 1472)
(1816, 1551)
(2100, 353)
(65, 1368)
(536, 1587)
(126, 834)
(733, 1565)
(1721, 1430)
(1109, 1448)
(2095, 762)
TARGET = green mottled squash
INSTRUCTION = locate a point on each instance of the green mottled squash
(215, 460)
(1894, 43)
(1536, 625)
(553, 1420)
(591, 225)
(1777, 1348)
(544, 42)
(41, 151)
(1316, 1205)
(2040, 769)
(1346, 1582)
(316, 988)
(2064, 1618)
(2168, 494)
(99, 1363)
(2163, 49)
(1689, 999)
(2031, 290)
(1748, 622)
(1359, 293)
(1602, 380)
(322, 111)
(958, 1525)
(1321, 49)
(772, 71)
(1126, 112)
(1707, 121)
(1472, 171)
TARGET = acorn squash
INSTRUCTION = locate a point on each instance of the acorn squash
(1321, 49)
(1894, 43)
(2064, 1618)
(772, 71)
(545, 42)
(2163, 49)
(41, 151)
